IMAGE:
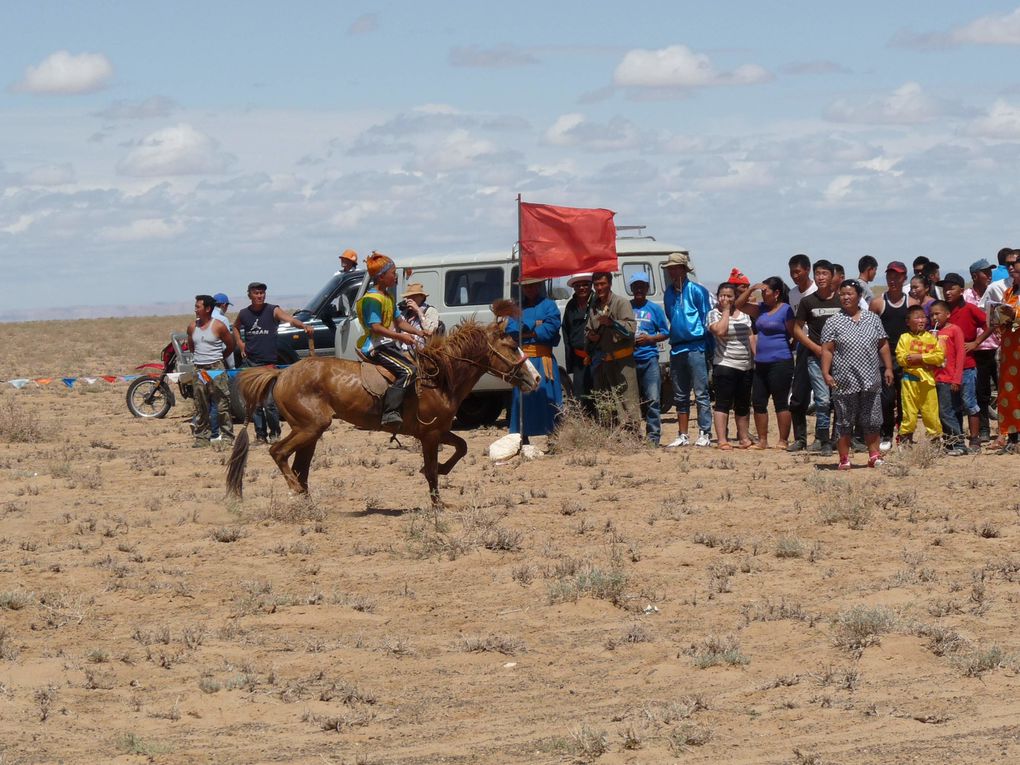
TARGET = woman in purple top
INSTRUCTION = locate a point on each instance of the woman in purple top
(920, 294)
(773, 359)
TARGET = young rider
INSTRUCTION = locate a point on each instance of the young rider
(383, 333)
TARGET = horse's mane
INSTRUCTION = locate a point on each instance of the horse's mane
(469, 339)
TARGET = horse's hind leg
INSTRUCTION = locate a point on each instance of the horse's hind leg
(306, 428)
(303, 461)
(459, 450)
(430, 466)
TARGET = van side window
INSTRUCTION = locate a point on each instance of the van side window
(473, 286)
(629, 269)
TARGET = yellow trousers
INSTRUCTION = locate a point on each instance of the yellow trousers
(920, 397)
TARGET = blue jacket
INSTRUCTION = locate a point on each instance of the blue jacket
(688, 315)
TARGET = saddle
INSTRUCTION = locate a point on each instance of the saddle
(375, 379)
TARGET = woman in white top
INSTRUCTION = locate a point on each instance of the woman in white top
(732, 366)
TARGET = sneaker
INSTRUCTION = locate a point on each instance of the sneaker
(844, 465)
(826, 449)
(858, 445)
(875, 460)
(975, 443)
(261, 440)
(797, 446)
(958, 451)
(273, 438)
(705, 439)
(1008, 449)
(681, 440)
(816, 446)
(885, 446)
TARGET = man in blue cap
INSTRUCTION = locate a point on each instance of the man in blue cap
(652, 329)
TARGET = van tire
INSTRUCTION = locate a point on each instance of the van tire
(481, 409)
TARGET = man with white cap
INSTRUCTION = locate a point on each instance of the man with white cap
(687, 305)
(575, 315)
(652, 329)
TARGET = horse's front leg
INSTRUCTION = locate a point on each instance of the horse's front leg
(459, 450)
(430, 466)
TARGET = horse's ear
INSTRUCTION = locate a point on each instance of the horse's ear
(503, 309)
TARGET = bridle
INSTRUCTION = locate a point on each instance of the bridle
(509, 376)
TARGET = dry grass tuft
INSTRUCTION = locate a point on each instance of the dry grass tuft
(579, 432)
(716, 650)
(861, 626)
(18, 425)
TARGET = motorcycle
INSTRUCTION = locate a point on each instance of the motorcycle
(150, 396)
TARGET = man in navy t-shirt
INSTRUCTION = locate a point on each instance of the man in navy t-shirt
(259, 321)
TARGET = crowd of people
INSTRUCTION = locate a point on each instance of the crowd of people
(868, 365)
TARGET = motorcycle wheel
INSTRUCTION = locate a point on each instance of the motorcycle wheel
(148, 397)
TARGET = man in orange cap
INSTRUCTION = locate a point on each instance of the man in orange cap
(384, 331)
(348, 261)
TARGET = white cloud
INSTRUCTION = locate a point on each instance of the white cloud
(576, 130)
(990, 30)
(364, 24)
(178, 150)
(907, 105)
(678, 67)
(141, 230)
(65, 73)
(456, 150)
(993, 29)
(50, 175)
(155, 106)
(1002, 121)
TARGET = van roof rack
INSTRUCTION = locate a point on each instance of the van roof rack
(639, 235)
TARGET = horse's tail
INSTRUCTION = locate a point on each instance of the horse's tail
(238, 461)
(253, 385)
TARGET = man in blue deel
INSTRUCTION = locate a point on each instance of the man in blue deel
(538, 332)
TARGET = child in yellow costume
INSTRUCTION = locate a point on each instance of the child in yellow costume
(919, 353)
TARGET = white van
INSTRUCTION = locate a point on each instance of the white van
(464, 286)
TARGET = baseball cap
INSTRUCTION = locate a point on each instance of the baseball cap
(896, 266)
(980, 265)
(952, 280)
(639, 276)
(221, 299)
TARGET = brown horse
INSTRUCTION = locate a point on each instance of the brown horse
(311, 393)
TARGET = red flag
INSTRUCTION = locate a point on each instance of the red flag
(558, 241)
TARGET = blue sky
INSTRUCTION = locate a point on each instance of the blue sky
(149, 152)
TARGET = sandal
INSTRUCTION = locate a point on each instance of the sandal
(725, 447)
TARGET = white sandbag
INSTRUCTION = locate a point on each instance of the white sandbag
(506, 447)
(530, 452)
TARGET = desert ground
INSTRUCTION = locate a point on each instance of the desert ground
(605, 603)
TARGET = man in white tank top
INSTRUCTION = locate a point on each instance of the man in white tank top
(211, 342)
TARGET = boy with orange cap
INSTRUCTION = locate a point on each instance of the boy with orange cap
(384, 330)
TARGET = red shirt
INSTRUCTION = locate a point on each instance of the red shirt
(972, 321)
(951, 337)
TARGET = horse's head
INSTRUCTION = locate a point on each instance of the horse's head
(508, 361)
(505, 356)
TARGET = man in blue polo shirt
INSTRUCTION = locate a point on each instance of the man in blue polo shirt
(651, 330)
(687, 305)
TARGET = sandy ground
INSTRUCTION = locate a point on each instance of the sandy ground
(602, 604)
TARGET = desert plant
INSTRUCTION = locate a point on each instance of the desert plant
(861, 626)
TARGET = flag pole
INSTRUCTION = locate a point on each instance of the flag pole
(520, 321)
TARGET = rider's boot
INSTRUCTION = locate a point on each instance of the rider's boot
(393, 400)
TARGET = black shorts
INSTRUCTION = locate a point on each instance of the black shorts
(732, 389)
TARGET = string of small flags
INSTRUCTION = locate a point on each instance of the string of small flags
(70, 382)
